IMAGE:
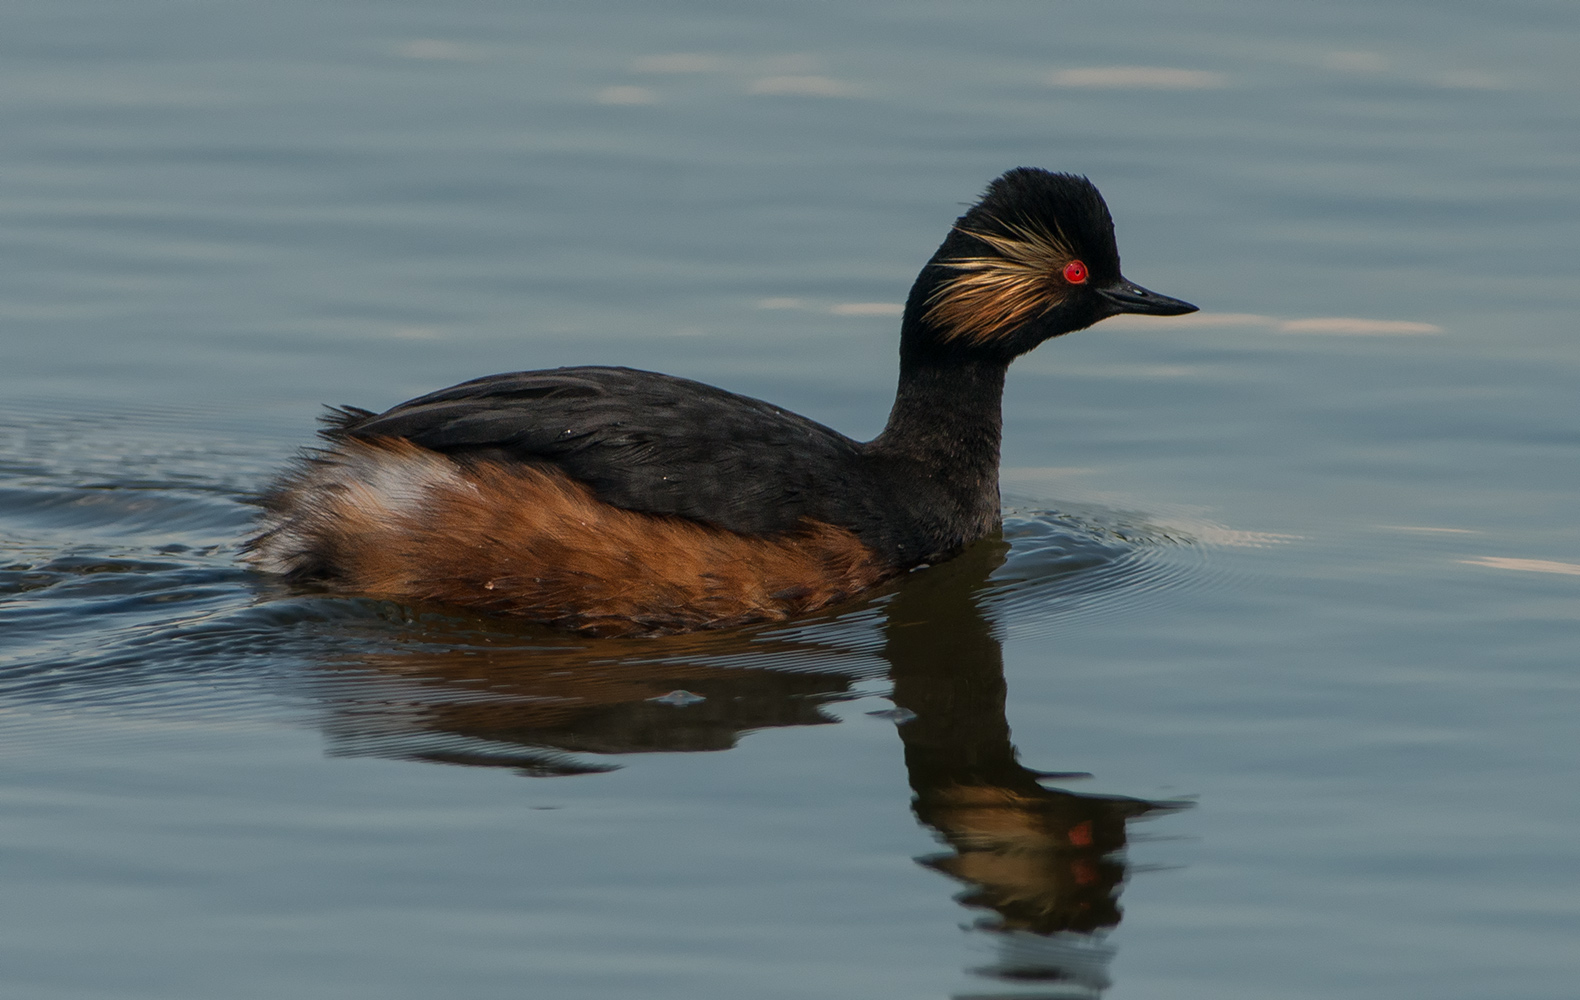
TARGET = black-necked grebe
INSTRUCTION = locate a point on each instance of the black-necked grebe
(615, 501)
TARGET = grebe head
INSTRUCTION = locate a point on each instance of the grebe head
(1033, 259)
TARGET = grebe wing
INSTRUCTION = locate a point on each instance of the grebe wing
(642, 441)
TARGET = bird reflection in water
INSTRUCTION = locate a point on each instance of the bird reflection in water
(1043, 865)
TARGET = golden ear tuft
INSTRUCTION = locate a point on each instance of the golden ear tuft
(994, 294)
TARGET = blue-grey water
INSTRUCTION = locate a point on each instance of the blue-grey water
(1294, 582)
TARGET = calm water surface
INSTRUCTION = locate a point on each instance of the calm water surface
(1269, 689)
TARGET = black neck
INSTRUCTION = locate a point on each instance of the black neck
(941, 447)
(949, 411)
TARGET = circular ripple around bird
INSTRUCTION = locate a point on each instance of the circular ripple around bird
(1070, 568)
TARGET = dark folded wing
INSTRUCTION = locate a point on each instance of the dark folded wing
(643, 441)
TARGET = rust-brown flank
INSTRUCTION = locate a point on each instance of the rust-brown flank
(531, 542)
(994, 294)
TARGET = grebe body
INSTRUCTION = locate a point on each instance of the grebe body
(616, 501)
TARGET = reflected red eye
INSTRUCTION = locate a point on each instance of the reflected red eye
(1075, 272)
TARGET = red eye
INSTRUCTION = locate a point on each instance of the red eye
(1075, 272)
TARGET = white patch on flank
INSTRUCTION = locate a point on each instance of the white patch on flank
(399, 483)
(1526, 565)
(343, 487)
(1138, 78)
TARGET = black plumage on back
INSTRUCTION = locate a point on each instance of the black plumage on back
(643, 441)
